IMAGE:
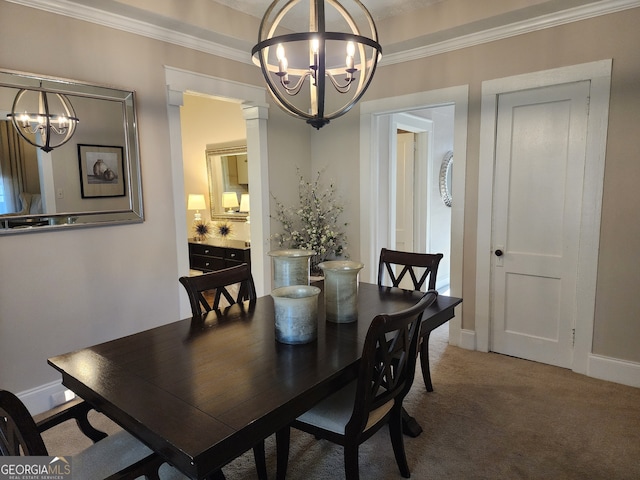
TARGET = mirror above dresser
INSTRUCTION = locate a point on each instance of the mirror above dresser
(227, 168)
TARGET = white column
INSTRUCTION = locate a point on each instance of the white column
(174, 102)
(258, 158)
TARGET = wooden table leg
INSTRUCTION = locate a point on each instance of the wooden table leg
(410, 426)
(218, 475)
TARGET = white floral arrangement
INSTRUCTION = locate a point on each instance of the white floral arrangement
(314, 224)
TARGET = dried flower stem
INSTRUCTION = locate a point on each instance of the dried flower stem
(314, 225)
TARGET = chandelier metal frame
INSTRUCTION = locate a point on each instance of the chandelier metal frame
(358, 73)
(44, 124)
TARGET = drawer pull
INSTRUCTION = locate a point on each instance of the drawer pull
(206, 264)
(232, 255)
(206, 251)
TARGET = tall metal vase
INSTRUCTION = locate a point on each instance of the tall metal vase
(296, 313)
(341, 290)
(290, 267)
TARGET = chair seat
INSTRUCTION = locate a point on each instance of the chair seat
(113, 454)
(334, 412)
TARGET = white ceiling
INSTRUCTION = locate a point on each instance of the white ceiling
(378, 8)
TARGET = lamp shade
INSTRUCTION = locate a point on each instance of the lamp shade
(230, 200)
(244, 202)
(196, 202)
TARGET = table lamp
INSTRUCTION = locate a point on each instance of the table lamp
(196, 202)
(244, 204)
(230, 201)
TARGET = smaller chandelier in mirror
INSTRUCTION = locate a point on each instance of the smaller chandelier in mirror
(44, 119)
(318, 57)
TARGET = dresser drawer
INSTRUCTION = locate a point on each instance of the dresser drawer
(208, 264)
(234, 257)
(206, 250)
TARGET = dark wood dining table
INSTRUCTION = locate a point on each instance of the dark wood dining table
(201, 393)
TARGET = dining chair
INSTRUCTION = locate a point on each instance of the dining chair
(218, 284)
(115, 457)
(354, 413)
(419, 267)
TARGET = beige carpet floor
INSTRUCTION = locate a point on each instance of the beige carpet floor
(490, 417)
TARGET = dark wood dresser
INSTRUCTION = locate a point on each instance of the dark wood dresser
(211, 255)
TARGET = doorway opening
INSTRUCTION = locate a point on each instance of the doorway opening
(422, 220)
(254, 110)
(378, 177)
(210, 123)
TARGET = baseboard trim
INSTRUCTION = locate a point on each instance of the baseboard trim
(42, 398)
(614, 370)
(599, 366)
(467, 339)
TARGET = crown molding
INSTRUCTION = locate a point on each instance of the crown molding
(219, 44)
(542, 22)
(216, 45)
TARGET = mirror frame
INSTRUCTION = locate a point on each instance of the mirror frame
(131, 157)
(446, 171)
(213, 154)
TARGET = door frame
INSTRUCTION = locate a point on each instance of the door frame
(255, 112)
(375, 195)
(599, 74)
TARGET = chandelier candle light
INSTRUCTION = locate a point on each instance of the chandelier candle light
(332, 45)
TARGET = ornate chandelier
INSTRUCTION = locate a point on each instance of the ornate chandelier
(336, 44)
(44, 119)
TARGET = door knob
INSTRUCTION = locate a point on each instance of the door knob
(498, 253)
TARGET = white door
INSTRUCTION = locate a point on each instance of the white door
(405, 191)
(538, 185)
(405, 197)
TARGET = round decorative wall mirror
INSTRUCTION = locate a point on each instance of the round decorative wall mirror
(446, 171)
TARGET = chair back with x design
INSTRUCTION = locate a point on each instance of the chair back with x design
(219, 284)
(206, 292)
(388, 363)
(18, 432)
(419, 266)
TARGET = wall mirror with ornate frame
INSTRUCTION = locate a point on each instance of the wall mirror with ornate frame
(42, 191)
(227, 168)
(446, 173)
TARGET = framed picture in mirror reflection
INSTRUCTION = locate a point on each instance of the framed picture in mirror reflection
(101, 171)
